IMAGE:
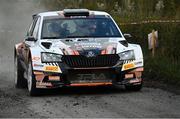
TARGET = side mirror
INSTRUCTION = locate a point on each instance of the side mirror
(30, 38)
(127, 36)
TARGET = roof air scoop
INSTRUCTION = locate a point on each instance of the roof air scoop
(76, 12)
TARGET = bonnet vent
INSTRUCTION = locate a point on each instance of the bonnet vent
(47, 45)
(124, 42)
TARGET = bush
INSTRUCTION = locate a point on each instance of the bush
(166, 63)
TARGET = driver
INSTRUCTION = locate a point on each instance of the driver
(92, 29)
(54, 30)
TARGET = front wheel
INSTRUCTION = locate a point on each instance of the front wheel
(31, 80)
(19, 80)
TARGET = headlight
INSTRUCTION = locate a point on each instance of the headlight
(127, 55)
(50, 57)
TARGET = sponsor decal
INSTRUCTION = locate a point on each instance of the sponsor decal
(138, 63)
(78, 47)
(91, 45)
(43, 84)
(54, 78)
(128, 76)
(109, 49)
(35, 58)
(52, 68)
(128, 66)
(39, 77)
(75, 52)
(38, 65)
(90, 84)
(91, 76)
(69, 51)
(40, 86)
(38, 73)
(78, 16)
(141, 69)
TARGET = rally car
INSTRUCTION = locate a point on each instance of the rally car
(76, 47)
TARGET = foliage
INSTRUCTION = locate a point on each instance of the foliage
(125, 9)
(165, 65)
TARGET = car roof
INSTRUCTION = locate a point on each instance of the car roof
(56, 13)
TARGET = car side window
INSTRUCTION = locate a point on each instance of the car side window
(32, 27)
(29, 33)
(36, 29)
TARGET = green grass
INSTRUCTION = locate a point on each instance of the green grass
(162, 68)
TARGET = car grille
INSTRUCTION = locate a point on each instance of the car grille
(80, 61)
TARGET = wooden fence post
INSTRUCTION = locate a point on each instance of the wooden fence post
(152, 40)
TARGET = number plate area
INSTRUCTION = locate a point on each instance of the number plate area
(91, 76)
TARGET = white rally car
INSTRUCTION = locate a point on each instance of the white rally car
(76, 47)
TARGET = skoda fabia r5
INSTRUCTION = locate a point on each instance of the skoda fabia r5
(76, 47)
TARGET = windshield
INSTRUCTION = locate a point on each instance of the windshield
(56, 28)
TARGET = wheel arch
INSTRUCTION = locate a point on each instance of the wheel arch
(29, 54)
(34, 54)
(17, 48)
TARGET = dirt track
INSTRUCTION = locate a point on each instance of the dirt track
(15, 15)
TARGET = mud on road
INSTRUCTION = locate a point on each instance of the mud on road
(15, 15)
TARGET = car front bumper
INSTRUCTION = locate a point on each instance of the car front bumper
(88, 77)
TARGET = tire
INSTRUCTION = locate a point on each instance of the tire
(31, 81)
(134, 87)
(19, 80)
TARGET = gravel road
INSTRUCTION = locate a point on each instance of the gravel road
(15, 15)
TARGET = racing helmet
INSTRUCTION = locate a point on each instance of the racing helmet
(54, 27)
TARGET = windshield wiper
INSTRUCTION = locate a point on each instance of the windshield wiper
(85, 36)
(78, 36)
(50, 37)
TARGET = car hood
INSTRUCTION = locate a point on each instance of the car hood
(82, 46)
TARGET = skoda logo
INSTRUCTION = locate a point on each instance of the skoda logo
(90, 54)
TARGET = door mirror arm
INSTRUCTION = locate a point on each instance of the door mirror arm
(31, 38)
